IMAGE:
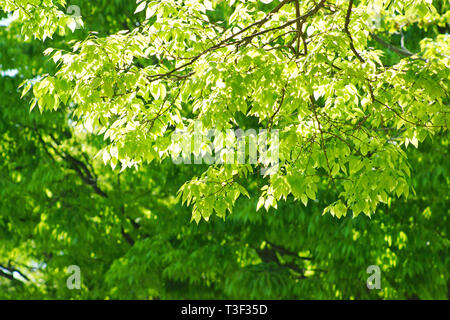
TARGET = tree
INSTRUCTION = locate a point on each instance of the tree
(327, 76)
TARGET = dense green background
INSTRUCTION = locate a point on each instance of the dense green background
(133, 240)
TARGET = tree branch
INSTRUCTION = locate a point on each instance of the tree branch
(400, 51)
(226, 42)
(10, 273)
(286, 251)
(347, 22)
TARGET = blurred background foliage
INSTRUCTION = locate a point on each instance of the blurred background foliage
(60, 206)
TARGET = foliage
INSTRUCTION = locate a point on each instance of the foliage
(333, 77)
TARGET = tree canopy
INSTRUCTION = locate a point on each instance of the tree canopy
(349, 97)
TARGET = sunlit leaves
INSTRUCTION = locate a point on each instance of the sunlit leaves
(41, 20)
(345, 116)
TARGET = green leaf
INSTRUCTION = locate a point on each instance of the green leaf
(140, 7)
